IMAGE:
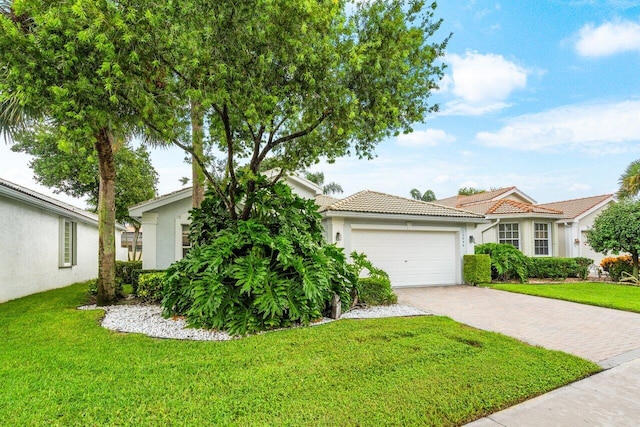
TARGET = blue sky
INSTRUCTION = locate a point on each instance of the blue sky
(543, 95)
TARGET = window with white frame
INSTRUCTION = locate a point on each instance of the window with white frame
(68, 243)
(186, 243)
(509, 233)
(541, 239)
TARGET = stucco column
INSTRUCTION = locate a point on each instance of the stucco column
(149, 242)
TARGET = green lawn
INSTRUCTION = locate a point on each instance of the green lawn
(621, 297)
(59, 367)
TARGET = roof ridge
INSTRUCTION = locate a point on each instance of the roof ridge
(579, 198)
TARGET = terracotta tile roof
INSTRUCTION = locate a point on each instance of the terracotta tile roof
(576, 207)
(506, 206)
(375, 202)
(463, 201)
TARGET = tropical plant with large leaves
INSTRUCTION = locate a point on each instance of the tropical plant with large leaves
(269, 271)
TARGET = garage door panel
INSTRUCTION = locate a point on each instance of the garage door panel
(412, 258)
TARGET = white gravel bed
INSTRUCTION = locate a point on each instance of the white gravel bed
(148, 320)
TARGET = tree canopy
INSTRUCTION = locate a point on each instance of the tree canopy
(330, 79)
(85, 67)
(630, 181)
(427, 196)
(469, 191)
(617, 229)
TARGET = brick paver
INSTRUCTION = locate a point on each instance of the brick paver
(608, 337)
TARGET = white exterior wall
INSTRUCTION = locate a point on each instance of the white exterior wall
(489, 234)
(162, 245)
(29, 252)
(340, 231)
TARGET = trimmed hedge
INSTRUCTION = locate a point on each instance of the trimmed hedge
(151, 286)
(376, 291)
(559, 268)
(477, 269)
(135, 277)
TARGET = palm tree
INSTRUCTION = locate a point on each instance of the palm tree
(630, 181)
(318, 178)
(427, 196)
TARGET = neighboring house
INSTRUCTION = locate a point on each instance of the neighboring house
(47, 243)
(550, 229)
(165, 221)
(577, 218)
(417, 243)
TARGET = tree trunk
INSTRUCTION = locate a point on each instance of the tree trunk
(197, 175)
(136, 235)
(634, 258)
(106, 219)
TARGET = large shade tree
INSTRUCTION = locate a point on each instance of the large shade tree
(84, 67)
(298, 81)
(617, 229)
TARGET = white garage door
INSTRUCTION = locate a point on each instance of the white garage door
(412, 258)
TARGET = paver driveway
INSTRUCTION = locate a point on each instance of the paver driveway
(605, 336)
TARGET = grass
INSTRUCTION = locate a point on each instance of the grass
(59, 367)
(610, 295)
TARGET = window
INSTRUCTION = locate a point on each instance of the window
(186, 244)
(68, 243)
(541, 239)
(509, 233)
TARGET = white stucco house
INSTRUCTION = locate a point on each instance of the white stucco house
(47, 243)
(417, 243)
(546, 230)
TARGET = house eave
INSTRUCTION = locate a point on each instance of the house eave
(403, 217)
(136, 211)
(532, 215)
(31, 198)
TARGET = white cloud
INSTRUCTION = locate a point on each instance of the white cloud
(608, 39)
(483, 82)
(481, 78)
(577, 187)
(428, 137)
(591, 128)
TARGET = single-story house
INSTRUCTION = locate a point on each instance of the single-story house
(48, 244)
(577, 217)
(551, 229)
(417, 243)
(165, 222)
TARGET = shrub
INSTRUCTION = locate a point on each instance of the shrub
(552, 268)
(135, 277)
(376, 291)
(583, 267)
(615, 266)
(151, 286)
(507, 262)
(269, 271)
(477, 269)
(124, 272)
